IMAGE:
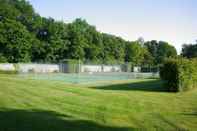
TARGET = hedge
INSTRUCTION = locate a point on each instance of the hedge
(179, 74)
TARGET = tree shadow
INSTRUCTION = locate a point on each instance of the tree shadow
(41, 120)
(190, 114)
(151, 86)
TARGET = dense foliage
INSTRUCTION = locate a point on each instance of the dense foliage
(16, 41)
(25, 36)
(189, 50)
(160, 50)
(179, 74)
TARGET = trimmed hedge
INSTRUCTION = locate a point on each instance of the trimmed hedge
(180, 74)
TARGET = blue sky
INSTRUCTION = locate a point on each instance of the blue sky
(174, 21)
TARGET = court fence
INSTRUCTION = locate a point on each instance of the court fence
(73, 71)
(76, 67)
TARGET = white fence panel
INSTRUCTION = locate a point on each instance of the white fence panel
(91, 68)
(7, 67)
(116, 68)
(38, 68)
(100, 68)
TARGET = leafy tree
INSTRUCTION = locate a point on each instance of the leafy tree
(148, 59)
(26, 36)
(8, 11)
(160, 50)
(113, 49)
(15, 41)
(189, 50)
(165, 51)
(27, 12)
(52, 42)
(78, 42)
(135, 53)
(152, 47)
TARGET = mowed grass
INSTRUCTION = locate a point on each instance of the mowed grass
(33, 105)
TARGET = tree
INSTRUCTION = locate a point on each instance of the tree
(134, 53)
(160, 50)
(15, 41)
(78, 41)
(152, 47)
(189, 50)
(27, 13)
(94, 48)
(93, 43)
(165, 51)
(26, 36)
(8, 11)
(52, 42)
(113, 49)
(148, 59)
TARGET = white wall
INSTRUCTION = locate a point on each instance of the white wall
(50, 68)
(136, 69)
(100, 68)
(7, 67)
(38, 68)
(115, 68)
(91, 68)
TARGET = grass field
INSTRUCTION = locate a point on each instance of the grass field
(35, 105)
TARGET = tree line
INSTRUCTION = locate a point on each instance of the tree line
(189, 50)
(25, 36)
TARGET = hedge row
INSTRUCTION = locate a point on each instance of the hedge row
(180, 74)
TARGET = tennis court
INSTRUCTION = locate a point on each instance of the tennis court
(88, 78)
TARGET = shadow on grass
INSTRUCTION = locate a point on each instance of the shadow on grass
(190, 114)
(40, 120)
(151, 86)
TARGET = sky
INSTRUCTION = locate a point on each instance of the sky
(174, 21)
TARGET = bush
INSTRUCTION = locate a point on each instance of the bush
(180, 74)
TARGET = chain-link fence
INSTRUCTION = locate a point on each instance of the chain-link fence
(76, 71)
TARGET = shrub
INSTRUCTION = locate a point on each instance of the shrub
(179, 74)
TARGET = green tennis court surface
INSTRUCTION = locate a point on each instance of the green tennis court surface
(85, 78)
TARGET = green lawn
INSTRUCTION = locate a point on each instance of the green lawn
(33, 105)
